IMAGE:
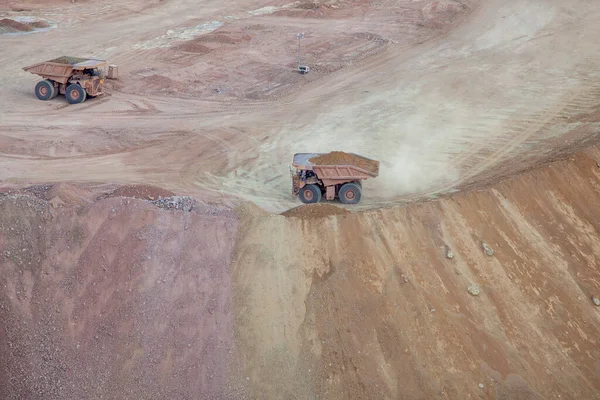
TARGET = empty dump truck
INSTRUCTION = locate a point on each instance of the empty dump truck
(335, 175)
(76, 78)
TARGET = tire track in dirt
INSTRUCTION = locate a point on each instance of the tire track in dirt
(579, 101)
(504, 133)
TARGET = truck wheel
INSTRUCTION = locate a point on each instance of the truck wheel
(75, 94)
(44, 90)
(349, 193)
(310, 194)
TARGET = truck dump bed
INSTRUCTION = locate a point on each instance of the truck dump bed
(349, 166)
(60, 69)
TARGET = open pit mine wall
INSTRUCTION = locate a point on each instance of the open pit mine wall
(370, 305)
(119, 298)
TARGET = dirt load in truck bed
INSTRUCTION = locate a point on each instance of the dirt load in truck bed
(341, 158)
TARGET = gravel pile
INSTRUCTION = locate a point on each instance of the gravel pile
(184, 203)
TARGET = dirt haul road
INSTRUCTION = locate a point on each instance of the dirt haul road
(108, 294)
(438, 91)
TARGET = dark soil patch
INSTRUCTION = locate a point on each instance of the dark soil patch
(341, 158)
(144, 192)
(314, 211)
(8, 24)
(301, 13)
(193, 46)
(255, 27)
(308, 5)
(222, 38)
(38, 24)
(164, 84)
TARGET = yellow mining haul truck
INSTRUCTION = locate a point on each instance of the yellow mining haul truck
(334, 174)
(76, 78)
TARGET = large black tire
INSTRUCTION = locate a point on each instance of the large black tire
(75, 94)
(45, 90)
(350, 193)
(310, 194)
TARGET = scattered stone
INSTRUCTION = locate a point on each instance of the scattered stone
(488, 250)
(56, 202)
(473, 289)
(432, 309)
(185, 203)
(481, 386)
(404, 278)
(596, 301)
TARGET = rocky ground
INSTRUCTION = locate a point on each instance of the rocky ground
(486, 294)
(150, 246)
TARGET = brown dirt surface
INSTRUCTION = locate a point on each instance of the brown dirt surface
(38, 24)
(315, 211)
(387, 80)
(341, 158)
(145, 192)
(115, 300)
(183, 299)
(224, 38)
(194, 46)
(308, 5)
(121, 298)
(380, 311)
(70, 194)
(14, 26)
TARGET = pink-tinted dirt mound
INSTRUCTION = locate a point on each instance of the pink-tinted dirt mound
(116, 300)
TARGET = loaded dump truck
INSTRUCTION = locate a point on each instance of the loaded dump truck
(335, 175)
(76, 78)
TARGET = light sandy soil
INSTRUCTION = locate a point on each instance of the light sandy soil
(436, 105)
(104, 294)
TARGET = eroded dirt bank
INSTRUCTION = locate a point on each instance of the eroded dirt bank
(370, 306)
(122, 299)
(114, 299)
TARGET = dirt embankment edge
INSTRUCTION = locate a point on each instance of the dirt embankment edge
(117, 296)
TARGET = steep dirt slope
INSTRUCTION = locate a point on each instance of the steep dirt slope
(117, 299)
(369, 305)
